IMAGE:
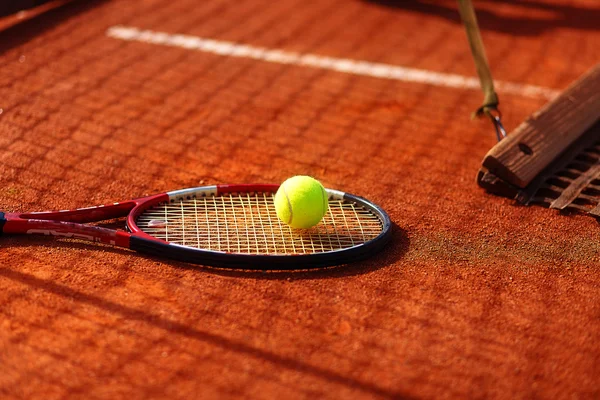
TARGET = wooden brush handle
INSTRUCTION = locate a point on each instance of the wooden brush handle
(523, 154)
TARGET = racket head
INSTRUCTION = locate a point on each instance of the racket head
(236, 226)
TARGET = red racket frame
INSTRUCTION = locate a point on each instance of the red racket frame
(71, 224)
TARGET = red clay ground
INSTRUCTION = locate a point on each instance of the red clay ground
(474, 298)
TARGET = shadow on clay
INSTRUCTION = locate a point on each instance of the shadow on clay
(394, 251)
(23, 32)
(553, 15)
(175, 328)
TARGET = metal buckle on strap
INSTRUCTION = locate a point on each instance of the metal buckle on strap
(496, 118)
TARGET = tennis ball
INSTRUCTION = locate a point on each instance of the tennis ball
(301, 202)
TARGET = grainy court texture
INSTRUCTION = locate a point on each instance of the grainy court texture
(474, 297)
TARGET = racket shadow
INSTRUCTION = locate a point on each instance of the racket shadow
(32, 242)
(394, 251)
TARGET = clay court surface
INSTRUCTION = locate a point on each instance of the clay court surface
(475, 296)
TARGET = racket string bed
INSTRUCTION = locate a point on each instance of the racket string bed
(248, 224)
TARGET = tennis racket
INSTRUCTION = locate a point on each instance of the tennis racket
(230, 226)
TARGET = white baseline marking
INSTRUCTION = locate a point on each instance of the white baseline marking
(364, 68)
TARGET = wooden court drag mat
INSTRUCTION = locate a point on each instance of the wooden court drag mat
(475, 297)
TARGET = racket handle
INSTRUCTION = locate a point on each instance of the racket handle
(2, 222)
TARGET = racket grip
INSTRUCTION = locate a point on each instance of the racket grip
(2, 222)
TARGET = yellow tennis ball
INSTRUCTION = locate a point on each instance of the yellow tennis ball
(301, 202)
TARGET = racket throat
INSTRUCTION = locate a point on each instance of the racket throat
(84, 215)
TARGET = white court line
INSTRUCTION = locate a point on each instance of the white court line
(364, 68)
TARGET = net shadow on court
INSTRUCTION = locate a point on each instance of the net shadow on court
(15, 34)
(182, 330)
(543, 16)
